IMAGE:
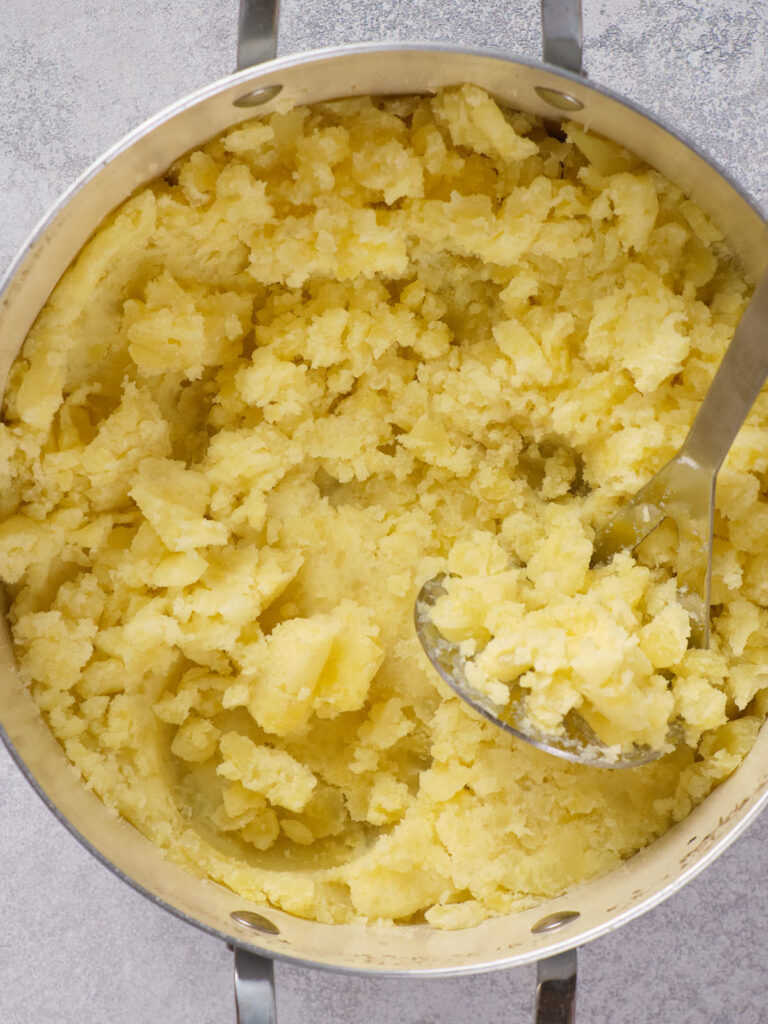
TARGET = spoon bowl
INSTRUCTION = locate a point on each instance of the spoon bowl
(576, 743)
(683, 490)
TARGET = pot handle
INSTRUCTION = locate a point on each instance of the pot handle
(556, 989)
(562, 34)
(257, 32)
(560, 28)
(254, 989)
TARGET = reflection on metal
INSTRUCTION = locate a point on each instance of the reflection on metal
(254, 989)
(258, 97)
(556, 989)
(254, 921)
(561, 33)
(257, 32)
(554, 921)
(558, 100)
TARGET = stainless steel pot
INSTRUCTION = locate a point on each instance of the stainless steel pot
(548, 934)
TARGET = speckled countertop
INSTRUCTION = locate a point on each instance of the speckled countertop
(78, 946)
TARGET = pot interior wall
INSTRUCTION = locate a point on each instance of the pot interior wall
(627, 891)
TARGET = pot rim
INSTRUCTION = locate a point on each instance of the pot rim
(330, 53)
(505, 963)
(247, 77)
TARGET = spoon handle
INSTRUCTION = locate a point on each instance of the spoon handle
(735, 386)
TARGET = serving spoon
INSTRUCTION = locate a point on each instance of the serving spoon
(684, 491)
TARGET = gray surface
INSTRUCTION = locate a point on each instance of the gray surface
(75, 944)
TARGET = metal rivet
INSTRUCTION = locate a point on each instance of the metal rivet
(558, 100)
(258, 96)
(255, 922)
(553, 921)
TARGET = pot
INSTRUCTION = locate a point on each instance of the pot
(548, 934)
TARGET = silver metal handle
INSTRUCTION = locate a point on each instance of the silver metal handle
(560, 23)
(254, 989)
(737, 383)
(257, 32)
(556, 989)
(562, 34)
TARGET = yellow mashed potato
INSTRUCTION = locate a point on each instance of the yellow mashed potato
(609, 642)
(324, 357)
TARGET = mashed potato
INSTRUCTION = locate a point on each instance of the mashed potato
(325, 356)
(554, 635)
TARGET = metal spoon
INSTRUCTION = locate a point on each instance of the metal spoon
(684, 491)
